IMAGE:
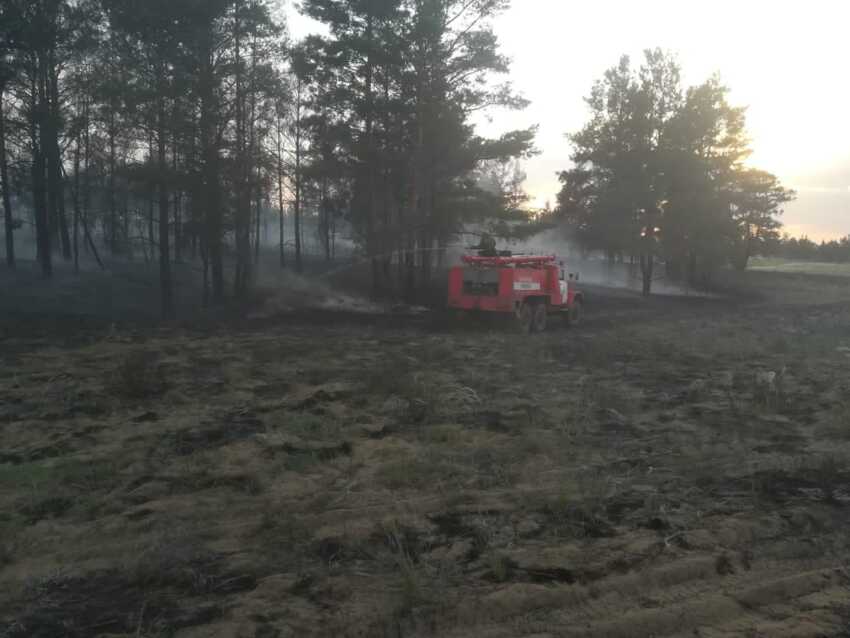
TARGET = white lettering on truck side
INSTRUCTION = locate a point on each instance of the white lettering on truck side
(524, 286)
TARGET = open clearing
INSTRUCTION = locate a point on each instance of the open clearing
(806, 267)
(322, 475)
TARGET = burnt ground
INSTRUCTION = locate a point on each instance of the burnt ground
(342, 474)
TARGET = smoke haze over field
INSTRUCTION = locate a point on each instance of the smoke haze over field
(595, 270)
(289, 292)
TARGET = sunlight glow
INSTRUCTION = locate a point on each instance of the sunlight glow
(783, 60)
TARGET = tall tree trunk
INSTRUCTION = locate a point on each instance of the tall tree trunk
(742, 260)
(259, 218)
(253, 157)
(57, 195)
(372, 230)
(243, 196)
(113, 222)
(82, 215)
(190, 225)
(325, 213)
(8, 223)
(206, 268)
(410, 269)
(280, 190)
(64, 233)
(151, 196)
(55, 184)
(90, 242)
(282, 252)
(178, 201)
(745, 260)
(299, 267)
(125, 218)
(87, 182)
(39, 168)
(165, 284)
(210, 186)
(648, 250)
(178, 227)
(76, 203)
(333, 238)
(647, 263)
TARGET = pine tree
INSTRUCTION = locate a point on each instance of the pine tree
(659, 174)
(397, 83)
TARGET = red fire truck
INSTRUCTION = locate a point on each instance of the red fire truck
(529, 288)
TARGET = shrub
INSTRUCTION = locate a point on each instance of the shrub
(139, 376)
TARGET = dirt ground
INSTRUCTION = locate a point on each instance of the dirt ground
(673, 467)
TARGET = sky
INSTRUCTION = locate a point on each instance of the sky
(787, 62)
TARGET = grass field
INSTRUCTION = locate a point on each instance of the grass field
(805, 267)
(674, 467)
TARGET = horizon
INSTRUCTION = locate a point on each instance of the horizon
(805, 142)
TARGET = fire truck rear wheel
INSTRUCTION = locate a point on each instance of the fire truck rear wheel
(539, 324)
(525, 318)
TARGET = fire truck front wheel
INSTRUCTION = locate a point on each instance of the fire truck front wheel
(525, 317)
(539, 324)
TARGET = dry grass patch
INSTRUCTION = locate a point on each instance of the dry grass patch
(139, 375)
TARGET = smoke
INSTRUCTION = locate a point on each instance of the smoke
(595, 269)
(289, 292)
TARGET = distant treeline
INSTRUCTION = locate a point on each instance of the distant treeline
(804, 249)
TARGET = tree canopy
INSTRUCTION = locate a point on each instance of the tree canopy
(164, 127)
(660, 175)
